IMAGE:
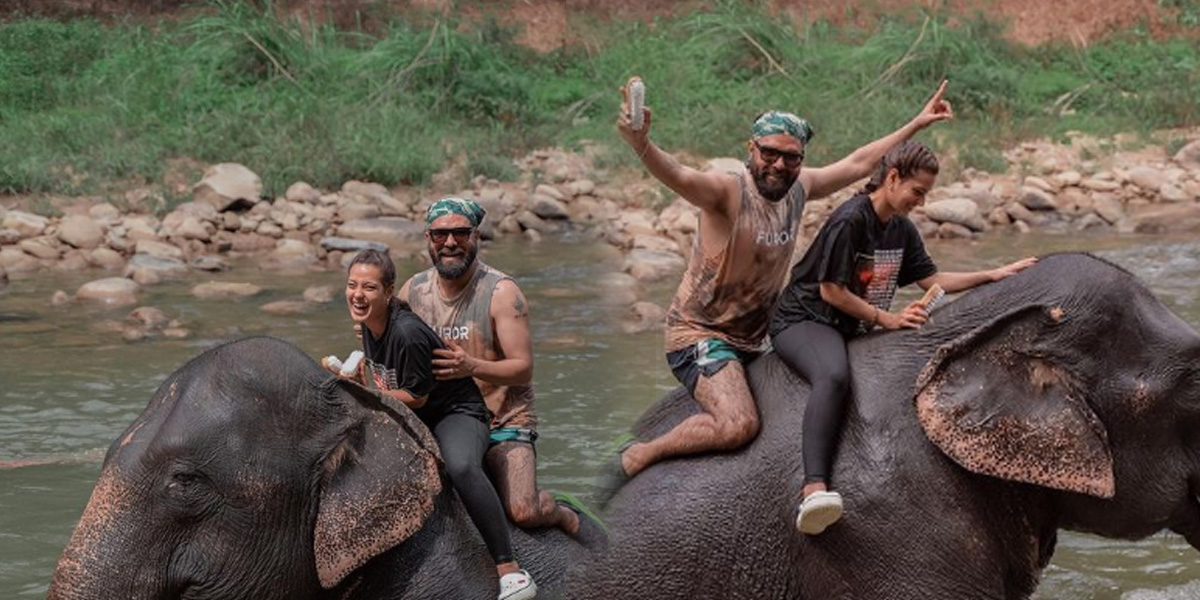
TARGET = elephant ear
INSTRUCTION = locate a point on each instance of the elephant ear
(380, 483)
(997, 405)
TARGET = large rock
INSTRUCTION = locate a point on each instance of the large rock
(15, 260)
(654, 242)
(27, 224)
(1147, 178)
(302, 192)
(395, 232)
(546, 207)
(80, 231)
(148, 270)
(619, 289)
(318, 294)
(9, 237)
(114, 291)
(44, 247)
(644, 316)
(1037, 199)
(106, 258)
(581, 187)
(105, 213)
(956, 210)
(1170, 192)
(653, 265)
(530, 221)
(1189, 156)
(355, 211)
(1108, 207)
(371, 193)
(148, 317)
(349, 245)
(225, 290)
(291, 255)
(228, 185)
(288, 307)
(158, 249)
(1175, 218)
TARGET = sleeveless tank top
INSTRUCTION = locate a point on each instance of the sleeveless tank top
(466, 320)
(730, 294)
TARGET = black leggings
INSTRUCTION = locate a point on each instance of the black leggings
(817, 352)
(464, 440)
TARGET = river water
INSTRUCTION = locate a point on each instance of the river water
(67, 389)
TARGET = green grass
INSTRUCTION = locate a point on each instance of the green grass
(83, 104)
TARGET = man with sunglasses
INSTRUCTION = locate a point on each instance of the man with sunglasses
(718, 319)
(482, 316)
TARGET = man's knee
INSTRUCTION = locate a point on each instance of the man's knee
(523, 512)
(737, 429)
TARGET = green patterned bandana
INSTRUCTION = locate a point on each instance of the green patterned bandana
(774, 122)
(456, 206)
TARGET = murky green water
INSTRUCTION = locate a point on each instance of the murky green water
(67, 390)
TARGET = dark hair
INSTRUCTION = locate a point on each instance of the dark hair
(906, 158)
(378, 259)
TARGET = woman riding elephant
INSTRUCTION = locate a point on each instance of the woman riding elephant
(844, 286)
(399, 351)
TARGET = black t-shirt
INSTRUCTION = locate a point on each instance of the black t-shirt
(855, 249)
(402, 359)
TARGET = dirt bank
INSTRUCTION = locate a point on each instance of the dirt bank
(549, 24)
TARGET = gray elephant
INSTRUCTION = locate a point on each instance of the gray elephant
(254, 474)
(1066, 397)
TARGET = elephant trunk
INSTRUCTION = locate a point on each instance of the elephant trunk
(102, 559)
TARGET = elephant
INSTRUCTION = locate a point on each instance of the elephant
(1065, 397)
(253, 473)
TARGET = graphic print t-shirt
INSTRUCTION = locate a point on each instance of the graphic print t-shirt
(402, 359)
(855, 249)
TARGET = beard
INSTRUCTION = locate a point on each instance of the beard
(772, 191)
(452, 269)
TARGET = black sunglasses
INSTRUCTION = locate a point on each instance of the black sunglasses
(461, 234)
(769, 155)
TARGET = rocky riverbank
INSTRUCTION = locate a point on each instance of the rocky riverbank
(1062, 187)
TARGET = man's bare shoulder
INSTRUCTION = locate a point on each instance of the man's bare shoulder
(508, 300)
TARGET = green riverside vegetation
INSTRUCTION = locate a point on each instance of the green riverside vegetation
(85, 103)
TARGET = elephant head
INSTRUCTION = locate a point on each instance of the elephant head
(250, 474)
(1081, 382)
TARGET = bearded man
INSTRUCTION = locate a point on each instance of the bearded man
(482, 316)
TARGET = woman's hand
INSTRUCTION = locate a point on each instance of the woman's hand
(1012, 268)
(912, 317)
(639, 139)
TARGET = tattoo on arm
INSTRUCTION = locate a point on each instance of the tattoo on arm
(519, 305)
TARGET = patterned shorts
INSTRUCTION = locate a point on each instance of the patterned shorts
(512, 434)
(706, 357)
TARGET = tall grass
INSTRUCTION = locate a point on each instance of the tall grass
(83, 103)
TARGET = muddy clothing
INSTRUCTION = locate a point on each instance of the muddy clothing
(466, 319)
(729, 295)
(402, 359)
(857, 250)
(707, 358)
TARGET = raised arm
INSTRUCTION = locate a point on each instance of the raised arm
(510, 318)
(956, 282)
(821, 181)
(708, 191)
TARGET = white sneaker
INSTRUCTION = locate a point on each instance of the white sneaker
(818, 511)
(517, 586)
